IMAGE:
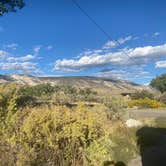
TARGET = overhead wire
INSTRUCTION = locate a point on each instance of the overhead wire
(98, 25)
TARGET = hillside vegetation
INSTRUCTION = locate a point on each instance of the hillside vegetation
(56, 125)
(159, 83)
(102, 85)
(46, 125)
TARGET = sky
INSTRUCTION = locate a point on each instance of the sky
(54, 38)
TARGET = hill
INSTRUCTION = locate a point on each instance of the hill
(97, 83)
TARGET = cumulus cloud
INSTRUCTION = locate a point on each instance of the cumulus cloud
(22, 64)
(129, 56)
(26, 67)
(160, 64)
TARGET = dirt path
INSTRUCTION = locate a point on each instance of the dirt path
(147, 113)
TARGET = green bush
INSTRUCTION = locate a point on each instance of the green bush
(142, 95)
(159, 83)
(41, 90)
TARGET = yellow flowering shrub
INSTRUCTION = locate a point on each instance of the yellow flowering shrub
(145, 103)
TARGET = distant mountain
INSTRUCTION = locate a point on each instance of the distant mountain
(97, 83)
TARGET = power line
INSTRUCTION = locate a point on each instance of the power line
(92, 20)
(97, 25)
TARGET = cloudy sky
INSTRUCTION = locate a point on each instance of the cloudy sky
(54, 38)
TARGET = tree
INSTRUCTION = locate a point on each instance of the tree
(159, 83)
(10, 6)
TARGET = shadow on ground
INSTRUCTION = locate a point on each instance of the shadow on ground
(152, 143)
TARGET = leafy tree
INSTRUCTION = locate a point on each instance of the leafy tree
(10, 6)
(159, 83)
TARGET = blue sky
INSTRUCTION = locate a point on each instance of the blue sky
(55, 38)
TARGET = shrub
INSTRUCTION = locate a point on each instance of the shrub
(142, 95)
(146, 103)
(57, 136)
(8, 97)
(41, 90)
(116, 107)
(26, 101)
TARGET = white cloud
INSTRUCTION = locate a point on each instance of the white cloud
(36, 49)
(113, 43)
(125, 74)
(49, 47)
(125, 39)
(3, 54)
(160, 64)
(26, 67)
(156, 34)
(129, 56)
(21, 64)
(11, 46)
(23, 58)
(110, 44)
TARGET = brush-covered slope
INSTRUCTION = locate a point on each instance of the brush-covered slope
(96, 83)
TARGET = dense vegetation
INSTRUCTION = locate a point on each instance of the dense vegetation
(159, 83)
(55, 136)
(66, 126)
(147, 99)
(56, 125)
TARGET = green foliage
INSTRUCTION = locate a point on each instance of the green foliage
(162, 98)
(8, 97)
(37, 91)
(159, 83)
(10, 6)
(43, 94)
(142, 95)
(87, 94)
